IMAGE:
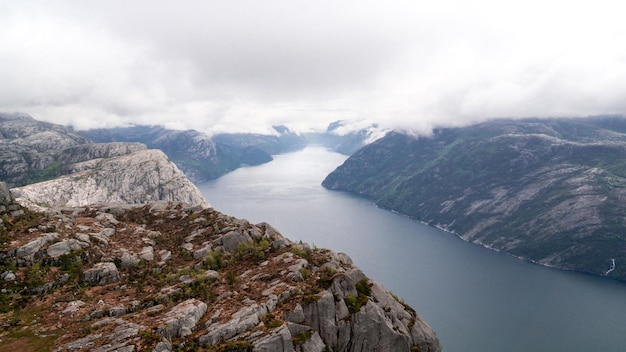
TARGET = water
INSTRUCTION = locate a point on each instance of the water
(474, 298)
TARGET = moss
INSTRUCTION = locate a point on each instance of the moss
(302, 337)
(271, 322)
(364, 291)
(234, 346)
(27, 341)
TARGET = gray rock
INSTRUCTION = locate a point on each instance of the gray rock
(181, 319)
(147, 253)
(102, 274)
(91, 151)
(314, 344)
(163, 346)
(72, 307)
(8, 276)
(232, 239)
(80, 344)
(202, 252)
(5, 195)
(106, 219)
(381, 324)
(211, 275)
(165, 255)
(65, 247)
(28, 250)
(278, 341)
(117, 311)
(141, 177)
(281, 243)
(296, 316)
(244, 319)
(129, 260)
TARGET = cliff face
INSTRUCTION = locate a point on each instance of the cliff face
(29, 149)
(200, 156)
(167, 277)
(139, 177)
(550, 191)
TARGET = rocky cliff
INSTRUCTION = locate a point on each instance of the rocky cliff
(167, 276)
(122, 173)
(550, 191)
(200, 156)
(29, 149)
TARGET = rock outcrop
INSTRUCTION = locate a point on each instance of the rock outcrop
(29, 148)
(251, 289)
(200, 156)
(140, 177)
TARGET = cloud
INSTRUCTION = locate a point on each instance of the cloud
(245, 65)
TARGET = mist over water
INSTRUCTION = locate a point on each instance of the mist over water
(475, 299)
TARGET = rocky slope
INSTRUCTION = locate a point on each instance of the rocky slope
(167, 276)
(550, 191)
(121, 173)
(200, 156)
(29, 149)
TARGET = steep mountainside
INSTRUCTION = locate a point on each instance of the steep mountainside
(29, 149)
(169, 277)
(139, 177)
(552, 191)
(200, 156)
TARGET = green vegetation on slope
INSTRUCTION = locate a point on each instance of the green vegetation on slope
(550, 191)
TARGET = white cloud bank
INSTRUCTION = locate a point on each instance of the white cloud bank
(237, 65)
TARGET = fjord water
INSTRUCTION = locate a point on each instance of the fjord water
(474, 298)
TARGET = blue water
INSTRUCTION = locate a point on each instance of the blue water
(474, 298)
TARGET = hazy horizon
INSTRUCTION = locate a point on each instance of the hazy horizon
(243, 66)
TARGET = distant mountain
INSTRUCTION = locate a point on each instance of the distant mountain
(84, 267)
(29, 149)
(200, 156)
(342, 137)
(551, 191)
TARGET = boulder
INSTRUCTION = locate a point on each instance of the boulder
(232, 239)
(181, 320)
(65, 247)
(102, 274)
(5, 195)
(28, 250)
(278, 341)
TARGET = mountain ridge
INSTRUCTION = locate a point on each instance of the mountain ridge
(545, 190)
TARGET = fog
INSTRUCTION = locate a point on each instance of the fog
(234, 66)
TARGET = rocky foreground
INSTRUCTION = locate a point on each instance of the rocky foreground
(166, 276)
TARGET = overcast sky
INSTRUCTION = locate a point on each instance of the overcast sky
(243, 65)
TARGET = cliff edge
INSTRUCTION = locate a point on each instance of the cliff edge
(167, 276)
(139, 177)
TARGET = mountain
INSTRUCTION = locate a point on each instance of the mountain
(121, 253)
(344, 137)
(552, 191)
(200, 156)
(112, 173)
(172, 277)
(29, 149)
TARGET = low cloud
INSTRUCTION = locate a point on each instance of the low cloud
(242, 66)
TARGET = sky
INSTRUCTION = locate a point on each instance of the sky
(242, 66)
